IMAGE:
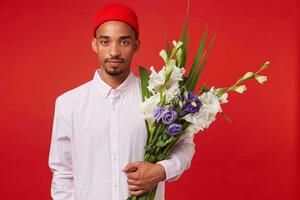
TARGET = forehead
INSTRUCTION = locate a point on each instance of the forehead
(114, 29)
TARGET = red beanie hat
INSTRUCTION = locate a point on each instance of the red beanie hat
(117, 12)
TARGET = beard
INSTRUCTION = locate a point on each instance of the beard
(113, 71)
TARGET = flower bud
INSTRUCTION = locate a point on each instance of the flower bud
(179, 56)
(247, 75)
(164, 55)
(266, 65)
(261, 79)
(177, 44)
(240, 89)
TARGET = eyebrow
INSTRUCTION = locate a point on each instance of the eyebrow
(122, 37)
(126, 37)
(103, 36)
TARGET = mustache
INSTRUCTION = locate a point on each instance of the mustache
(114, 60)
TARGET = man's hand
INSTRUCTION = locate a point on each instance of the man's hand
(143, 176)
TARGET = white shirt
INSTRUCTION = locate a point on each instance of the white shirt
(96, 132)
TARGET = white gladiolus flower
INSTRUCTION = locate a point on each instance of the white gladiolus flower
(170, 66)
(223, 98)
(240, 89)
(177, 44)
(163, 54)
(174, 43)
(156, 79)
(172, 86)
(172, 91)
(177, 74)
(212, 101)
(261, 79)
(191, 130)
(206, 115)
(148, 107)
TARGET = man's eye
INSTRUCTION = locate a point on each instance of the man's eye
(125, 42)
(104, 42)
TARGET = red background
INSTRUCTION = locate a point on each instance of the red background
(45, 51)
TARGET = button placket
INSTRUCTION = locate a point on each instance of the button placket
(115, 149)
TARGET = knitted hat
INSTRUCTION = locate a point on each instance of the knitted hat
(117, 12)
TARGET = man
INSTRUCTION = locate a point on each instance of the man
(98, 135)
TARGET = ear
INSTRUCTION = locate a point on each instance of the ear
(94, 44)
(137, 45)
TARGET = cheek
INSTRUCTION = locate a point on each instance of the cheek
(128, 53)
(101, 55)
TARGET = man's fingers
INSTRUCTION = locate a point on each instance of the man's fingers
(131, 182)
(137, 193)
(134, 187)
(132, 175)
(131, 167)
(134, 182)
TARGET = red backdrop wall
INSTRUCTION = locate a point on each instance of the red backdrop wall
(45, 51)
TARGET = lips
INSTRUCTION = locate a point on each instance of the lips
(114, 61)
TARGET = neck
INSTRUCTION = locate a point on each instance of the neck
(113, 81)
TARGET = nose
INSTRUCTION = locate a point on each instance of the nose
(114, 50)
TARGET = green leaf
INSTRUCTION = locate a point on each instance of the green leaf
(183, 31)
(185, 39)
(168, 49)
(161, 157)
(192, 74)
(199, 54)
(144, 76)
(203, 89)
(196, 77)
(185, 50)
(150, 148)
(226, 117)
(161, 143)
(197, 74)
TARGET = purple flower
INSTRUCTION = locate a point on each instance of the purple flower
(181, 97)
(158, 114)
(174, 129)
(192, 96)
(168, 116)
(175, 106)
(192, 107)
(192, 104)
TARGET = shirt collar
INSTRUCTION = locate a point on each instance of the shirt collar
(107, 90)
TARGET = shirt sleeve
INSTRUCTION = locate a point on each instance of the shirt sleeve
(60, 156)
(180, 158)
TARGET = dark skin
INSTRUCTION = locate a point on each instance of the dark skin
(115, 43)
(143, 176)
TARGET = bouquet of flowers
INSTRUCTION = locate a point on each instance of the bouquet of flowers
(171, 107)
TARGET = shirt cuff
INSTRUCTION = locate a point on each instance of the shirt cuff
(172, 168)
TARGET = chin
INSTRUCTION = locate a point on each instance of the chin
(114, 72)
